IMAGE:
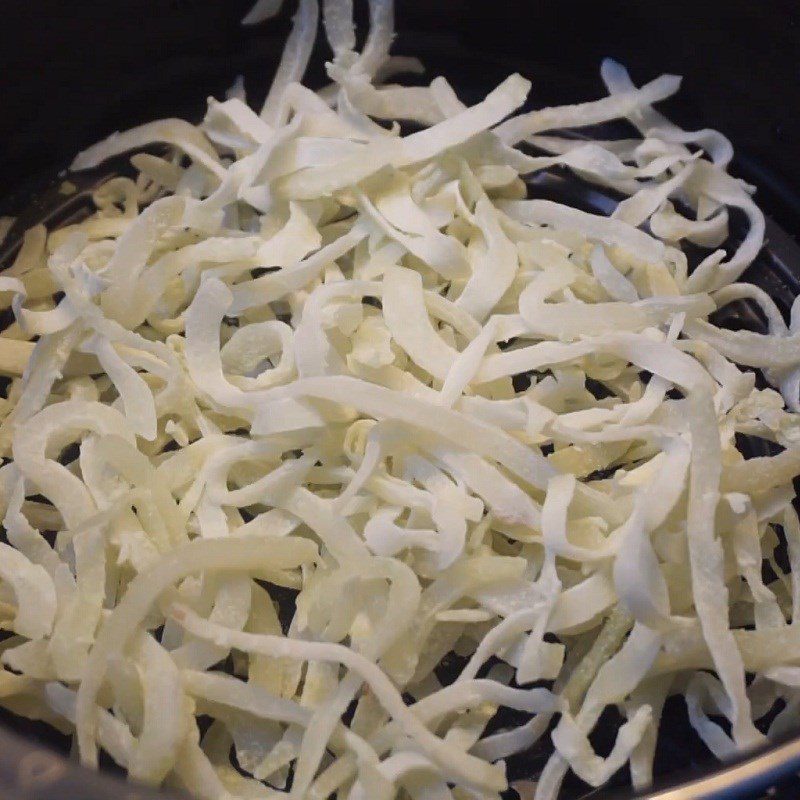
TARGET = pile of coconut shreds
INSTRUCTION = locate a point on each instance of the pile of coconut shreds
(303, 353)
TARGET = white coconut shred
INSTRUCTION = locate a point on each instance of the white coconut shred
(302, 353)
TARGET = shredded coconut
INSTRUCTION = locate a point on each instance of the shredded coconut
(305, 352)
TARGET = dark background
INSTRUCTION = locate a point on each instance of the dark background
(73, 72)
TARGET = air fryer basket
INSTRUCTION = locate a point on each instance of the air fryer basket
(77, 73)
